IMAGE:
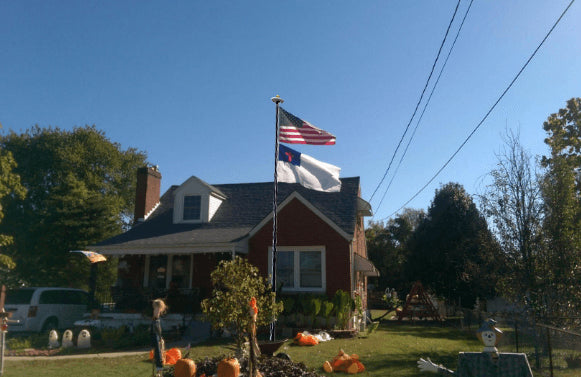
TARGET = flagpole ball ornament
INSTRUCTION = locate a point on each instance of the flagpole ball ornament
(276, 99)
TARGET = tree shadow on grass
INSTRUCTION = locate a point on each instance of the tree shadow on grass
(428, 331)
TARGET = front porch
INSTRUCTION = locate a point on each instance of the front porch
(182, 280)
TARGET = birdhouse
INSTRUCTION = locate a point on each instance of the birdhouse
(67, 339)
(84, 339)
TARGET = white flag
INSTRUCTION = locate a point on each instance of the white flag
(296, 167)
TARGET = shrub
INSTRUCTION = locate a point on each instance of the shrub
(313, 306)
(234, 283)
(327, 308)
(289, 305)
(343, 304)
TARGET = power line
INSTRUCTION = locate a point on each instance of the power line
(425, 106)
(488, 113)
(418, 104)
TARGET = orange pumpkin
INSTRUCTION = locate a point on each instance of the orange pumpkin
(228, 368)
(185, 368)
(172, 356)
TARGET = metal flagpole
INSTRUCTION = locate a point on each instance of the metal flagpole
(277, 100)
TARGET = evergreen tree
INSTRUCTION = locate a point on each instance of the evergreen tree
(452, 251)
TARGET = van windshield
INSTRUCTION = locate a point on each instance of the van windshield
(19, 296)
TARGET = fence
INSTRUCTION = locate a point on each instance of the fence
(552, 351)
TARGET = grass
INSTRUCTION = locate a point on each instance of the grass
(392, 350)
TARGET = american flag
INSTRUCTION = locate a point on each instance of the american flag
(293, 130)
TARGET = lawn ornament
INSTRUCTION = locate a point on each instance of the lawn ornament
(159, 308)
(344, 363)
(84, 339)
(305, 339)
(254, 350)
(487, 363)
(67, 339)
(53, 339)
(229, 367)
(185, 368)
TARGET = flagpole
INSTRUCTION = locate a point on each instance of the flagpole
(277, 100)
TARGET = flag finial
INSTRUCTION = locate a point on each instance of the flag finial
(276, 99)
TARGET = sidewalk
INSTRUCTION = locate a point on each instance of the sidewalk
(142, 352)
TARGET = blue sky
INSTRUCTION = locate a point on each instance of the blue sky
(190, 82)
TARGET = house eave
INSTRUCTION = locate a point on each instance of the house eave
(240, 247)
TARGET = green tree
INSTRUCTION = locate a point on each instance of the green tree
(559, 295)
(10, 188)
(387, 247)
(514, 205)
(235, 282)
(80, 190)
(452, 251)
(564, 137)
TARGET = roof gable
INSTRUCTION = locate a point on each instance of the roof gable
(315, 210)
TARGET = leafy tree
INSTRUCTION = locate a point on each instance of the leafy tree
(235, 282)
(10, 187)
(452, 251)
(387, 247)
(80, 190)
(564, 139)
(514, 204)
(560, 295)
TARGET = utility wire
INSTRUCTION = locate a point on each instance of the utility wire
(488, 113)
(418, 104)
(425, 106)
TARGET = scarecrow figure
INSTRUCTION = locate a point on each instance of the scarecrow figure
(157, 342)
(254, 350)
(488, 363)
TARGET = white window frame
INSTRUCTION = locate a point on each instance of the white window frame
(199, 219)
(297, 250)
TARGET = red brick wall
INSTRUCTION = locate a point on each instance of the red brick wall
(299, 226)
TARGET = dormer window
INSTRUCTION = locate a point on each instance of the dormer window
(192, 207)
(196, 202)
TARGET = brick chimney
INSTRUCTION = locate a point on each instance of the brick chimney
(147, 192)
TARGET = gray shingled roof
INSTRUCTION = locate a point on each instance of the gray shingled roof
(247, 204)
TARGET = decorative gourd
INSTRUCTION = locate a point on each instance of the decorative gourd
(185, 368)
(228, 368)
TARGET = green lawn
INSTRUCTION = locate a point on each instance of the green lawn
(390, 351)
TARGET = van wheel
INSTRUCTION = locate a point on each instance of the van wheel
(50, 324)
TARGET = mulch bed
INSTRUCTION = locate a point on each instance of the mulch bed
(268, 366)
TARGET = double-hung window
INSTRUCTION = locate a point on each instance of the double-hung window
(300, 269)
(192, 207)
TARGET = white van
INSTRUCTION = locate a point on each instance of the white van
(41, 309)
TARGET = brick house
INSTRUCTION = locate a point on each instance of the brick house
(179, 238)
